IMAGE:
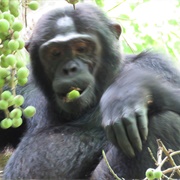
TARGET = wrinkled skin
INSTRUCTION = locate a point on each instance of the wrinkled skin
(125, 102)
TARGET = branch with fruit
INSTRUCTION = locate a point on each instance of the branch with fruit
(13, 70)
(157, 173)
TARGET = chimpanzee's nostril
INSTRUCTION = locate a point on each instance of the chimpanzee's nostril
(73, 69)
(70, 68)
(65, 71)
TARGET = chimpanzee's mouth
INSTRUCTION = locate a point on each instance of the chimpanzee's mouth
(71, 95)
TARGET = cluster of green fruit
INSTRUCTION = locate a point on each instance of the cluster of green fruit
(13, 70)
(14, 117)
(153, 173)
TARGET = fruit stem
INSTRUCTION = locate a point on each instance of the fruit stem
(13, 87)
(6, 112)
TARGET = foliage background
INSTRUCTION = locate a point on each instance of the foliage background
(152, 24)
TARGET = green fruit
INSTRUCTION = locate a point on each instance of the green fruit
(33, 5)
(20, 63)
(3, 9)
(8, 78)
(2, 82)
(16, 35)
(73, 94)
(21, 43)
(11, 59)
(13, 7)
(17, 122)
(1, 16)
(150, 173)
(29, 111)
(4, 25)
(5, 3)
(157, 173)
(6, 51)
(22, 81)
(7, 16)
(22, 73)
(18, 100)
(17, 26)
(72, 1)
(6, 123)
(15, 12)
(11, 101)
(3, 105)
(6, 95)
(13, 45)
(4, 72)
(2, 36)
(5, 44)
(12, 18)
(15, 113)
(4, 64)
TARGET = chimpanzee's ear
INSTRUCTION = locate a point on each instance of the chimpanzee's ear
(27, 43)
(116, 29)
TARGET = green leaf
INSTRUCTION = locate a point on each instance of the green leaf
(124, 16)
(148, 39)
(173, 22)
(136, 27)
(177, 45)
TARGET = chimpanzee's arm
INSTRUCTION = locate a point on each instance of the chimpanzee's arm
(126, 103)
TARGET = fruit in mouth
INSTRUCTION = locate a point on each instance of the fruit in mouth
(73, 95)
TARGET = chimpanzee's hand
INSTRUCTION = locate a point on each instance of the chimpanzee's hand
(124, 108)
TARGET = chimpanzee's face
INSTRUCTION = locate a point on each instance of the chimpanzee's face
(75, 50)
(70, 60)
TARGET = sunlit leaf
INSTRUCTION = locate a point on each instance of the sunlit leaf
(173, 22)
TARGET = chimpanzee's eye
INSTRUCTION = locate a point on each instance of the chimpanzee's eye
(55, 51)
(80, 47)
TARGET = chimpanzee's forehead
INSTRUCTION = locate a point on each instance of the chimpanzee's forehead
(65, 24)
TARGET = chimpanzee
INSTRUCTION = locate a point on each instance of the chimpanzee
(126, 102)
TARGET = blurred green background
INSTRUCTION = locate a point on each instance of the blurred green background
(147, 24)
